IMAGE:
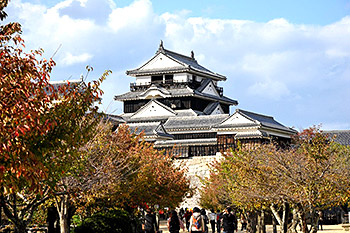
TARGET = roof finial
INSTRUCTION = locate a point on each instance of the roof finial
(192, 54)
(161, 48)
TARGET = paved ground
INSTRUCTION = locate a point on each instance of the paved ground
(326, 228)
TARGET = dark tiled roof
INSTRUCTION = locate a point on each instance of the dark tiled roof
(210, 108)
(186, 64)
(77, 83)
(115, 119)
(257, 120)
(187, 112)
(340, 136)
(135, 95)
(186, 60)
(146, 119)
(267, 121)
(205, 121)
(212, 97)
(150, 129)
(175, 92)
(238, 125)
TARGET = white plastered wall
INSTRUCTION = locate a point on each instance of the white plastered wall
(144, 80)
(181, 77)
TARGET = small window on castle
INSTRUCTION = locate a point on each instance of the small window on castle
(157, 79)
(169, 78)
(189, 78)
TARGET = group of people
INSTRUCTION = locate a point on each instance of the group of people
(197, 221)
(225, 222)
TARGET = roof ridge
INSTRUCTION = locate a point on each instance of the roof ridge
(163, 105)
(257, 114)
(179, 54)
(336, 130)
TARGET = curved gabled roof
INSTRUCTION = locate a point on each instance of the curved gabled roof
(185, 64)
(253, 120)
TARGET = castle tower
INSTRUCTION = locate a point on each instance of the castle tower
(178, 102)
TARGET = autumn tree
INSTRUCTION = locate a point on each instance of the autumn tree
(231, 183)
(309, 176)
(128, 172)
(41, 127)
(118, 169)
(99, 164)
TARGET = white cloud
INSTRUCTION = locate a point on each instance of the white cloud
(270, 89)
(135, 15)
(70, 59)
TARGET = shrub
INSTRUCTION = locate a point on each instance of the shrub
(112, 221)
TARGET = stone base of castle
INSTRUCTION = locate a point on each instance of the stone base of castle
(198, 167)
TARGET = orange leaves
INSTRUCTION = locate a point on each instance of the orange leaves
(129, 171)
(36, 124)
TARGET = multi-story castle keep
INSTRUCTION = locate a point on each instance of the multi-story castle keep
(180, 106)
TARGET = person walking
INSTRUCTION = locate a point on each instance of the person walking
(320, 220)
(243, 222)
(174, 223)
(218, 221)
(206, 220)
(150, 222)
(187, 217)
(228, 221)
(196, 222)
(212, 219)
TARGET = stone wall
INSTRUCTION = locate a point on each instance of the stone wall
(197, 167)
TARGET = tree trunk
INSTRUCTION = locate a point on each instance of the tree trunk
(52, 217)
(19, 224)
(63, 212)
(276, 214)
(284, 226)
(283, 222)
(293, 226)
(274, 224)
(251, 226)
(21, 227)
(302, 219)
(314, 220)
(21, 215)
(261, 222)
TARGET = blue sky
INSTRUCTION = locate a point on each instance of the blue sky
(287, 59)
(295, 11)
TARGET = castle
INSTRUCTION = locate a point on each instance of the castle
(181, 108)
